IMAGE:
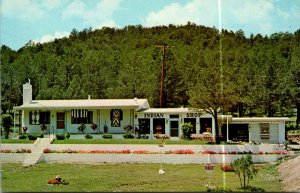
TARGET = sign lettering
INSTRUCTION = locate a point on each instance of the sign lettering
(193, 114)
(153, 115)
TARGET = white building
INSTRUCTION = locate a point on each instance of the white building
(62, 116)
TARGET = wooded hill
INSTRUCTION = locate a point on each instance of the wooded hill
(254, 76)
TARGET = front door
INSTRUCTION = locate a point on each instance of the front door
(60, 120)
(174, 128)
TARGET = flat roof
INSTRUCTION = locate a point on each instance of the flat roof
(259, 119)
(85, 103)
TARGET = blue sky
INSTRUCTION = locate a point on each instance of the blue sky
(45, 20)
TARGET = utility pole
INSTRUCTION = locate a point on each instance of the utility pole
(162, 81)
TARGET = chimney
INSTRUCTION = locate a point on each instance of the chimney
(27, 93)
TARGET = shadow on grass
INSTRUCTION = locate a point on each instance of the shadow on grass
(253, 189)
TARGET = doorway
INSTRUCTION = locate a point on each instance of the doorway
(60, 120)
(174, 128)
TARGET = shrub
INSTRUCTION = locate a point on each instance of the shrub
(187, 130)
(128, 136)
(88, 136)
(32, 137)
(22, 137)
(60, 136)
(245, 169)
(107, 136)
(41, 135)
(68, 135)
(6, 123)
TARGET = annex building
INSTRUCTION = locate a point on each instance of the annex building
(112, 115)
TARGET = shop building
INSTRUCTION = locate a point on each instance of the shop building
(60, 116)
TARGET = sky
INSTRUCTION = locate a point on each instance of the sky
(44, 20)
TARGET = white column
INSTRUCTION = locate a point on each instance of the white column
(151, 129)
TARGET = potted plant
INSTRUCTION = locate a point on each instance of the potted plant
(94, 127)
(24, 129)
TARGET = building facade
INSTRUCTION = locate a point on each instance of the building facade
(112, 115)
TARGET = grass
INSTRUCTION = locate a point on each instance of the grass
(126, 177)
(129, 141)
(17, 141)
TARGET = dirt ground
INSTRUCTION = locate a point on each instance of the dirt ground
(290, 174)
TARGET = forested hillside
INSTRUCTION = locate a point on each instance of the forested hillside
(253, 76)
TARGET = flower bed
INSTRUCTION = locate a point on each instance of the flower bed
(178, 151)
(229, 168)
(15, 151)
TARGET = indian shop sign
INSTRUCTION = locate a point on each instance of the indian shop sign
(193, 114)
(153, 115)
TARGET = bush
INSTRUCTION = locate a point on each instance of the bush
(68, 135)
(107, 136)
(41, 135)
(32, 137)
(6, 123)
(186, 130)
(128, 136)
(22, 137)
(60, 136)
(88, 136)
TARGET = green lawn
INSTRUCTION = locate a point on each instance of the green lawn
(128, 141)
(17, 141)
(126, 177)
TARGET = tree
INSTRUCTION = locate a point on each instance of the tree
(245, 170)
(6, 123)
(214, 90)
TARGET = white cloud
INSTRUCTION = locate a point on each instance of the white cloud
(204, 12)
(51, 37)
(252, 11)
(96, 16)
(28, 10)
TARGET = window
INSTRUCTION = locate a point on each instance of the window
(265, 131)
(144, 126)
(45, 117)
(38, 117)
(79, 116)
